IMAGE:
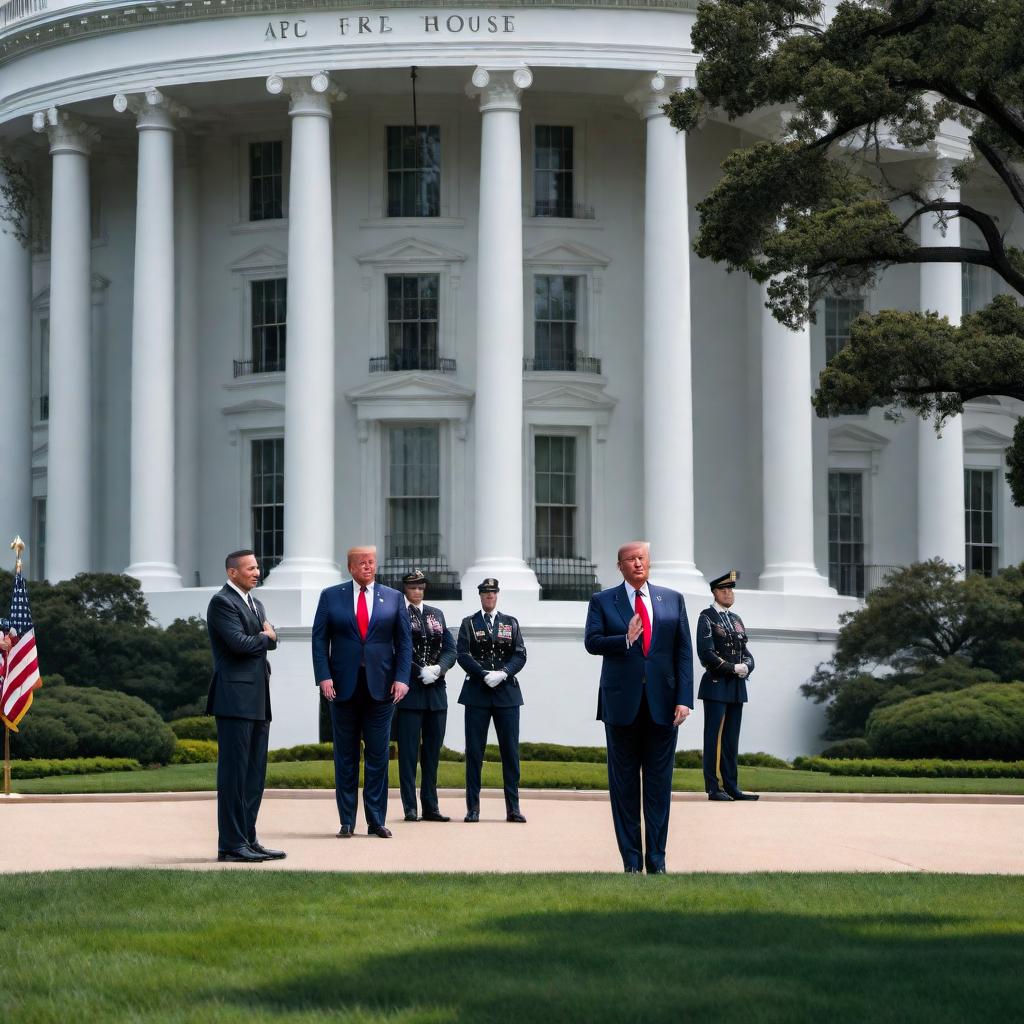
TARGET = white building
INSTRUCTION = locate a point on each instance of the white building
(264, 309)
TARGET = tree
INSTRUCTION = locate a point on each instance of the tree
(816, 210)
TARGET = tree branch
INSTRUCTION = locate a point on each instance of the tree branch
(1001, 165)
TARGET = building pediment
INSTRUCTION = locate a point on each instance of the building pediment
(563, 253)
(571, 397)
(41, 300)
(851, 438)
(411, 250)
(263, 257)
(411, 395)
(986, 438)
(253, 405)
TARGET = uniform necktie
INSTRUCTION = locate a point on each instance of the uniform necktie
(417, 616)
(487, 619)
(362, 613)
(641, 610)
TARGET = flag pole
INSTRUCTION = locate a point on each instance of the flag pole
(17, 546)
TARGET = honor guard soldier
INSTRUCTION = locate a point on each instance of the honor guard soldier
(722, 650)
(492, 652)
(421, 717)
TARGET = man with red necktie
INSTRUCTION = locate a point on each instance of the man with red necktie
(362, 656)
(643, 636)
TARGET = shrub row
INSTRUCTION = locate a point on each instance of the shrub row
(195, 727)
(923, 768)
(194, 752)
(42, 768)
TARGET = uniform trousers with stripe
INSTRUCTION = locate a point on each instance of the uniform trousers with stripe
(721, 745)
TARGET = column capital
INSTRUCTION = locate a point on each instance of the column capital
(308, 94)
(67, 134)
(499, 88)
(152, 109)
(654, 91)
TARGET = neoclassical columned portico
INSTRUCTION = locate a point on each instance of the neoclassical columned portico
(498, 417)
(69, 445)
(151, 541)
(309, 537)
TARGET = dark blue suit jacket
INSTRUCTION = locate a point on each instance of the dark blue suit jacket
(240, 684)
(339, 651)
(666, 671)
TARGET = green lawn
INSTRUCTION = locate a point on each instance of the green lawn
(246, 946)
(535, 775)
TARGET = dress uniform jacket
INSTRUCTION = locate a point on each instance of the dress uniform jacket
(722, 643)
(432, 644)
(480, 651)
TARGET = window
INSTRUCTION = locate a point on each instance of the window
(269, 318)
(554, 322)
(38, 552)
(43, 389)
(414, 492)
(839, 314)
(979, 516)
(414, 171)
(266, 180)
(977, 286)
(412, 321)
(552, 171)
(555, 496)
(846, 533)
(267, 501)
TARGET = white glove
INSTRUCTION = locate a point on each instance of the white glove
(430, 674)
(492, 679)
(741, 670)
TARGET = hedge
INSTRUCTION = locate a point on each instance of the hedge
(42, 768)
(83, 721)
(923, 768)
(856, 747)
(984, 722)
(194, 752)
(195, 727)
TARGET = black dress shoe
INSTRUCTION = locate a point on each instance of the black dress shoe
(719, 795)
(379, 831)
(411, 816)
(515, 816)
(435, 816)
(345, 832)
(472, 816)
(269, 854)
(745, 796)
(243, 855)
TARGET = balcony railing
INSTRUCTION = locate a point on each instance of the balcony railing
(555, 208)
(565, 579)
(247, 367)
(563, 362)
(855, 580)
(399, 361)
(406, 552)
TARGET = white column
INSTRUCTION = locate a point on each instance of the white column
(667, 375)
(309, 541)
(69, 499)
(940, 460)
(151, 537)
(787, 459)
(498, 414)
(16, 359)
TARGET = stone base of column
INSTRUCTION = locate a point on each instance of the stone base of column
(303, 574)
(514, 576)
(155, 575)
(794, 578)
(682, 576)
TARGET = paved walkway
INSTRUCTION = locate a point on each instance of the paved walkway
(565, 832)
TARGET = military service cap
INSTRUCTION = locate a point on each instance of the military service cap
(416, 576)
(727, 581)
(489, 585)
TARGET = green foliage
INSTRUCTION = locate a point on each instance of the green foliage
(843, 750)
(762, 760)
(921, 768)
(303, 752)
(985, 721)
(83, 721)
(194, 752)
(45, 768)
(195, 727)
(454, 756)
(551, 752)
(689, 759)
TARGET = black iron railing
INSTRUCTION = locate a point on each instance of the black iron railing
(563, 362)
(247, 367)
(443, 585)
(852, 579)
(565, 579)
(557, 208)
(399, 361)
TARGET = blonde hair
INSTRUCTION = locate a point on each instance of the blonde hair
(634, 544)
(358, 550)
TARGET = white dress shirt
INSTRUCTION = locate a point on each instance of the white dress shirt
(244, 596)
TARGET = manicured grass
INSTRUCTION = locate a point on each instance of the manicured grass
(535, 775)
(245, 946)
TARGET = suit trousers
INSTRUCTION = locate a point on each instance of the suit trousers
(241, 775)
(506, 725)
(721, 745)
(361, 717)
(412, 726)
(643, 750)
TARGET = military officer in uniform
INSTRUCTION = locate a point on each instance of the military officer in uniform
(492, 652)
(722, 650)
(421, 717)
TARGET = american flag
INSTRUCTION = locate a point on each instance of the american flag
(19, 675)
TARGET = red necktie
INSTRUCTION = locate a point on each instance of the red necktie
(641, 610)
(362, 613)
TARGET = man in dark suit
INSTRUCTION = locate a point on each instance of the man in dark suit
(362, 652)
(240, 637)
(421, 717)
(642, 634)
(722, 650)
(492, 652)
